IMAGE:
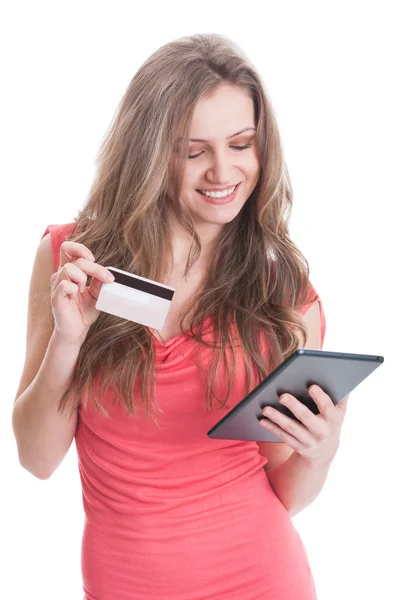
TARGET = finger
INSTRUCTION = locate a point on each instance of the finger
(322, 400)
(65, 289)
(71, 272)
(63, 294)
(282, 434)
(290, 426)
(91, 292)
(301, 411)
(94, 288)
(70, 251)
(100, 276)
(94, 269)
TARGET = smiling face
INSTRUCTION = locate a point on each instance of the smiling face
(225, 157)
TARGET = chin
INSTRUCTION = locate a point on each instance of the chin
(216, 219)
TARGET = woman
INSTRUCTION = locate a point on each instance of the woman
(192, 191)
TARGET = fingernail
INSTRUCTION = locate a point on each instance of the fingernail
(110, 277)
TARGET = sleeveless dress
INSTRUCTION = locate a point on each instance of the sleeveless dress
(171, 514)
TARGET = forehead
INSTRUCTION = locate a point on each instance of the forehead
(226, 111)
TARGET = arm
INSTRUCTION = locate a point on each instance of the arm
(43, 436)
(297, 480)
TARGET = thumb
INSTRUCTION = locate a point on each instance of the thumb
(342, 405)
(95, 287)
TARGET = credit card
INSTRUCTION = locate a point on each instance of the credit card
(136, 299)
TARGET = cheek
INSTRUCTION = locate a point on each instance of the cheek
(254, 164)
(191, 177)
(255, 170)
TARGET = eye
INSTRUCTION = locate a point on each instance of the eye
(234, 147)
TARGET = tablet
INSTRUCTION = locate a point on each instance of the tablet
(337, 373)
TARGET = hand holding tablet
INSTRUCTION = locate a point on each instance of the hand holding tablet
(336, 373)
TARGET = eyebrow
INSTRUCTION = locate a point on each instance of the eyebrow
(230, 136)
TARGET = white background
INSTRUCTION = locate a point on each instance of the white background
(330, 71)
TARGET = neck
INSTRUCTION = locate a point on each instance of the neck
(181, 242)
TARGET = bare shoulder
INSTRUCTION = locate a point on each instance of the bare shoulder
(39, 301)
(312, 322)
(44, 253)
(39, 318)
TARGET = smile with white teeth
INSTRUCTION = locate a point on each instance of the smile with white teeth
(223, 194)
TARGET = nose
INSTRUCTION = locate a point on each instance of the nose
(219, 171)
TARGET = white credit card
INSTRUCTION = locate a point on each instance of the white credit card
(135, 298)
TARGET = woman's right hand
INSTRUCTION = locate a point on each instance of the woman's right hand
(72, 302)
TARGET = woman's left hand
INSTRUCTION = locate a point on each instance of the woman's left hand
(315, 437)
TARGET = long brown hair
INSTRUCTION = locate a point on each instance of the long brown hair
(258, 279)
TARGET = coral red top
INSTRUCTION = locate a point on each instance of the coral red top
(172, 514)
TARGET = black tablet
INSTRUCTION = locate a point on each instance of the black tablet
(337, 373)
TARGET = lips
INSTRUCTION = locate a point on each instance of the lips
(220, 201)
(227, 188)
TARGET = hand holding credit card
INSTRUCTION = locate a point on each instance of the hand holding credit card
(136, 298)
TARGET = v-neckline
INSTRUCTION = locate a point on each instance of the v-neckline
(179, 335)
(167, 342)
